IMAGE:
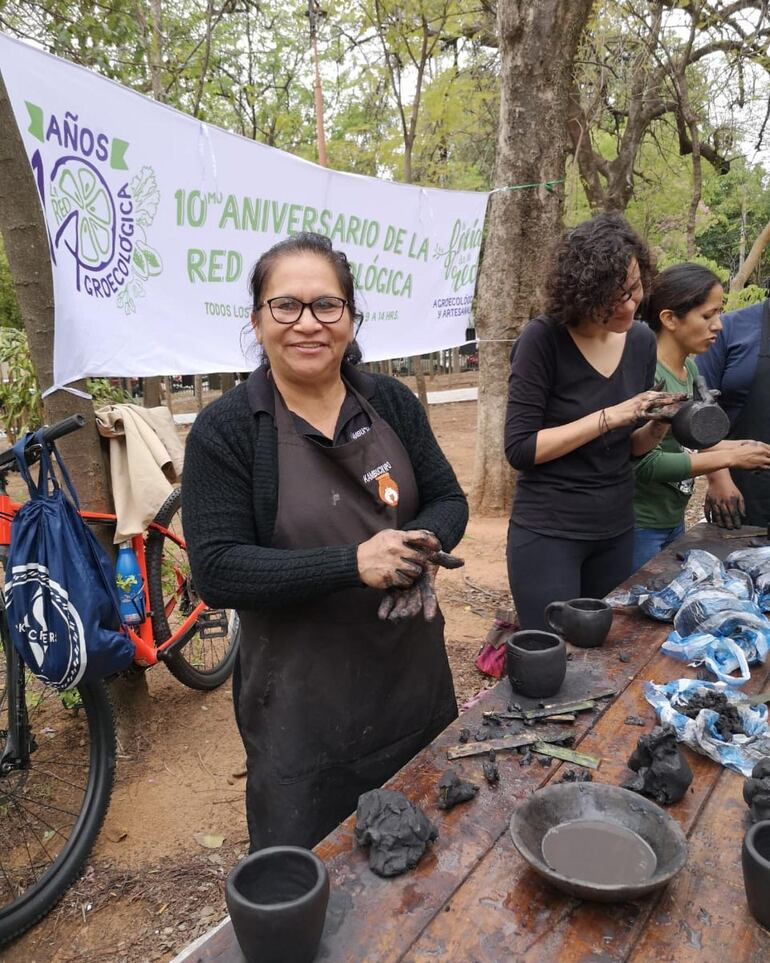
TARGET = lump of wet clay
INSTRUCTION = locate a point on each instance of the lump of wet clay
(756, 791)
(491, 769)
(396, 831)
(662, 772)
(452, 790)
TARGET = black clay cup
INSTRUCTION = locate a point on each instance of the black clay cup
(756, 871)
(277, 900)
(536, 663)
(583, 622)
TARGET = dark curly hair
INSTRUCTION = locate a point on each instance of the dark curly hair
(306, 242)
(590, 267)
(679, 289)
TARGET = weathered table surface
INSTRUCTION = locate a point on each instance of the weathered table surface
(473, 898)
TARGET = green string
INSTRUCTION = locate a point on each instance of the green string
(548, 185)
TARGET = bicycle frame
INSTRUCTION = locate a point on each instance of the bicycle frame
(146, 650)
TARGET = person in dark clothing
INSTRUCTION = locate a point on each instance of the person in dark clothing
(310, 491)
(738, 364)
(578, 393)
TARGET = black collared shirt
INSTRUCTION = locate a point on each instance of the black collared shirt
(352, 422)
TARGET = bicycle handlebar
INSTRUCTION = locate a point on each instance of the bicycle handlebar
(64, 427)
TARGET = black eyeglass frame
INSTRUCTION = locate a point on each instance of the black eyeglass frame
(303, 305)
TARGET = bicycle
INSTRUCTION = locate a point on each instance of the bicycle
(58, 750)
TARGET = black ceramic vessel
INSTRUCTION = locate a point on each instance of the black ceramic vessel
(700, 422)
(756, 871)
(583, 622)
(536, 663)
(277, 900)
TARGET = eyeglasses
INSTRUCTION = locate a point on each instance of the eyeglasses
(285, 310)
(627, 295)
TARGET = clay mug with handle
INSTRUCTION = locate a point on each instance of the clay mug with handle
(536, 663)
(583, 622)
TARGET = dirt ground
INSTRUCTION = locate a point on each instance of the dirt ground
(176, 823)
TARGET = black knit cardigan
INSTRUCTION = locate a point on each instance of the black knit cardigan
(230, 497)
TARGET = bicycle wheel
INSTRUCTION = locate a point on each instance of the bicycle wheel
(52, 810)
(208, 658)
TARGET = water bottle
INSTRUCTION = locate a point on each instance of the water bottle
(130, 585)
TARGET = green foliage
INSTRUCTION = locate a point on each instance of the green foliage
(751, 294)
(103, 392)
(10, 316)
(20, 399)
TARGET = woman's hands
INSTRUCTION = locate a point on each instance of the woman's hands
(724, 503)
(630, 411)
(750, 455)
(395, 559)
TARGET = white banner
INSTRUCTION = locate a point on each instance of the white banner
(155, 220)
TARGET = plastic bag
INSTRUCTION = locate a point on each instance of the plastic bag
(721, 656)
(703, 602)
(741, 752)
(699, 567)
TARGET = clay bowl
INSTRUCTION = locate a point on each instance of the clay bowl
(559, 804)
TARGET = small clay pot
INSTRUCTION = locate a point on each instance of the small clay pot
(755, 857)
(277, 901)
(536, 663)
(583, 622)
(700, 422)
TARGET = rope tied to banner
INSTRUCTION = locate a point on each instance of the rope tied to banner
(548, 185)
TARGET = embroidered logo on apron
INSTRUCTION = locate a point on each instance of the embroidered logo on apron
(387, 486)
(388, 490)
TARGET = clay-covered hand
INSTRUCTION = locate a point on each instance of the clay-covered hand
(630, 411)
(751, 455)
(666, 412)
(393, 558)
(724, 504)
(407, 603)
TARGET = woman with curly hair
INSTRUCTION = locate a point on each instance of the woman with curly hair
(578, 394)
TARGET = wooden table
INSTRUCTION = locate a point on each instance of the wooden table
(473, 898)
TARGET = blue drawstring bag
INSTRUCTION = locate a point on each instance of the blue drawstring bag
(60, 595)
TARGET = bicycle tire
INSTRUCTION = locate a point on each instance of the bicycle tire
(201, 664)
(38, 866)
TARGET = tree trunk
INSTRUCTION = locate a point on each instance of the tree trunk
(538, 40)
(752, 258)
(151, 398)
(198, 389)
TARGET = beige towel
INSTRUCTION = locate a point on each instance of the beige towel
(146, 456)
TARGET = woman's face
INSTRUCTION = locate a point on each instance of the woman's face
(697, 330)
(307, 350)
(630, 298)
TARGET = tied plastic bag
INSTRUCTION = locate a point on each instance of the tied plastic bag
(699, 567)
(703, 602)
(755, 563)
(741, 751)
(720, 656)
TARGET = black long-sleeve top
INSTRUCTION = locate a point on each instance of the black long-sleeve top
(230, 496)
(587, 493)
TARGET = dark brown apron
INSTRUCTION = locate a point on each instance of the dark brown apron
(332, 700)
(754, 422)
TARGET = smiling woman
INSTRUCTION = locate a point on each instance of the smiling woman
(313, 490)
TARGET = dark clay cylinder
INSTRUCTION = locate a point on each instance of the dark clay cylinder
(277, 901)
(536, 663)
(583, 622)
(756, 871)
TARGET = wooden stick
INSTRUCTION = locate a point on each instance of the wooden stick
(562, 707)
(479, 748)
(567, 755)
